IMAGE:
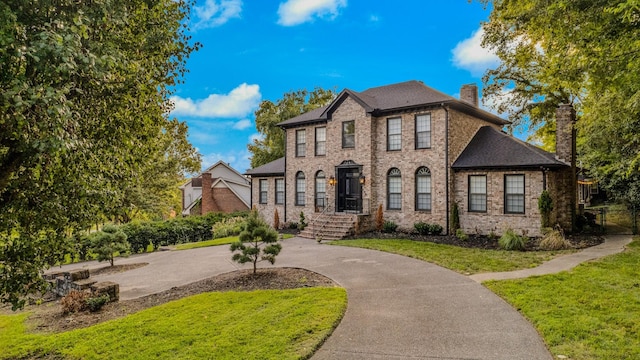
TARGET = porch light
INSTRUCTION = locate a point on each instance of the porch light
(362, 179)
(332, 180)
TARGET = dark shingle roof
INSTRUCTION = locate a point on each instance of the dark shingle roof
(309, 116)
(405, 94)
(378, 100)
(274, 168)
(491, 148)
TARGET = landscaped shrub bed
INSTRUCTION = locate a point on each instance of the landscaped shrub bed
(476, 241)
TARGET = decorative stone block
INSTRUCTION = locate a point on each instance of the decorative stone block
(77, 274)
(107, 287)
(80, 285)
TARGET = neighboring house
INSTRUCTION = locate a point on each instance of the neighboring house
(416, 152)
(219, 188)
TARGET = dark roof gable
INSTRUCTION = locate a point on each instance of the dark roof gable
(274, 168)
(493, 149)
(389, 98)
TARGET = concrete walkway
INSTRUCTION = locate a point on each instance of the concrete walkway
(399, 308)
(613, 244)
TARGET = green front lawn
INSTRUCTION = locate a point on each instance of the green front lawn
(268, 324)
(215, 242)
(463, 260)
(590, 312)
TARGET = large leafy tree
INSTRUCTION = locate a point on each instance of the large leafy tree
(271, 145)
(84, 89)
(585, 52)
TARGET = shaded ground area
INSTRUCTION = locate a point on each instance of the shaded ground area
(578, 241)
(48, 317)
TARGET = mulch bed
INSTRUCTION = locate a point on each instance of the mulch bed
(48, 317)
(578, 241)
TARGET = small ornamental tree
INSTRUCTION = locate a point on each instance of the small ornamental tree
(276, 220)
(379, 219)
(109, 241)
(257, 242)
(545, 206)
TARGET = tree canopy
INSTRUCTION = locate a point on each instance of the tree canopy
(84, 90)
(584, 52)
(271, 145)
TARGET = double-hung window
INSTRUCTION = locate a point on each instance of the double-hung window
(321, 141)
(349, 134)
(301, 143)
(300, 189)
(279, 191)
(321, 188)
(423, 131)
(477, 193)
(263, 191)
(394, 134)
(394, 189)
(514, 194)
(423, 189)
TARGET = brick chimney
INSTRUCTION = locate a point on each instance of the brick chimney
(566, 134)
(469, 94)
(207, 198)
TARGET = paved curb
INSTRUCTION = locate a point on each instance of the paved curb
(613, 244)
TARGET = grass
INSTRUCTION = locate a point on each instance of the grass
(216, 242)
(268, 324)
(462, 260)
(590, 312)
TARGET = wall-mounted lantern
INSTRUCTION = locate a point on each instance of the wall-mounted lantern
(332, 180)
(362, 179)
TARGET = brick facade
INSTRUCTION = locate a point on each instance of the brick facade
(373, 159)
(495, 219)
(267, 210)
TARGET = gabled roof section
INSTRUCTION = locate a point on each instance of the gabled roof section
(312, 116)
(389, 98)
(227, 184)
(493, 149)
(197, 180)
(274, 168)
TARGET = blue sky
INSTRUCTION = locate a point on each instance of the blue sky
(256, 50)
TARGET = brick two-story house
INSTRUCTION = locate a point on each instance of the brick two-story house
(416, 152)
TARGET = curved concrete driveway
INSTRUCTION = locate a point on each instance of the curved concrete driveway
(399, 308)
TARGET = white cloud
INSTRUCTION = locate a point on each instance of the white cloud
(470, 55)
(374, 18)
(215, 13)
(242, 124)
(238, 160)
(240, 102)
(295, 12)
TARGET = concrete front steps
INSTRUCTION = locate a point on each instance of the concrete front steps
(330, 226)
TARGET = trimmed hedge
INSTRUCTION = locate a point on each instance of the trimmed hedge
(174, 231)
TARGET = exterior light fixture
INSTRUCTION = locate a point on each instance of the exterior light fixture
(362, 179)
(332, 180)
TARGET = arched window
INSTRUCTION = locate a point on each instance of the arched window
(423, 189)
(320, 190)
(300, 189)
(394, 189)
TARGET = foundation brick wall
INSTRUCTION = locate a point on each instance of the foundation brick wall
(495, 220)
